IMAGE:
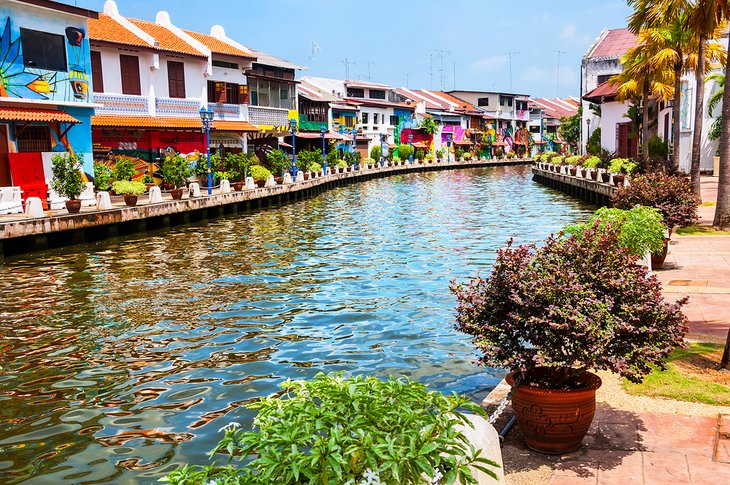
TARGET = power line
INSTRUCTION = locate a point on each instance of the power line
(369, 63)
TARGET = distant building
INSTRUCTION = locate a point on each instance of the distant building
(544, 124)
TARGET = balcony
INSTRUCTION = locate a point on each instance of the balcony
(225, 111)
(122, 104)
(263, 115)
(177, 107)
(306, 125)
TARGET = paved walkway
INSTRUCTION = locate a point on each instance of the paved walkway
(663, 448)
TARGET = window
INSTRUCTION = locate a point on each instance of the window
(521, 105)
(505, 100)
(365, 118)
(42, 50)
(377, 94)
(483, 102)
(96, 73)
(394, 120)
(129, 66)
(231, 93)
(34, 139)
(349, 121)
(227, 65)
(534, 129)
(355, 93)
(375, 118)
(603, 78)
(176, 79)
(263, 93)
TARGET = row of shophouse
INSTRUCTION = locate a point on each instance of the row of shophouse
(619, 133)
(105, 85)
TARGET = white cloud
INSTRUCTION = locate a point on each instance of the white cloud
(568, 31)
(489, 63)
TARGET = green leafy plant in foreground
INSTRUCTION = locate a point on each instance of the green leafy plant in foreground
(346, 431)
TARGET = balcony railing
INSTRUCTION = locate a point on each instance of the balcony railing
(225, 111)
(177, 107)
(121, 103)
(262, 115)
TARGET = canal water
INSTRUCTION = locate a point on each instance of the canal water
(121, 360)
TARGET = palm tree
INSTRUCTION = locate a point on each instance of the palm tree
(640, 80)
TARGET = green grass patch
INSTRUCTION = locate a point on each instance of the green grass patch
(701, 231)
(682, 381)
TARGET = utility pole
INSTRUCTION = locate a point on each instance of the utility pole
(557, 83)
(440, 54)
(430, 70)
(454, 75)
(511, 55)
(347, 62)
(369, 62)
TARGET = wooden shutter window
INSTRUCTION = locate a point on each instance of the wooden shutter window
(96, 73)
(176, 79)
(130, 74)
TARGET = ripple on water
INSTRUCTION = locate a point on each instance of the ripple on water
(122, 359)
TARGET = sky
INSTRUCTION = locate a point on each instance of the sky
(426, 44)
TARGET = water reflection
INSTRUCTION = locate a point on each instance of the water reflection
(122, 359)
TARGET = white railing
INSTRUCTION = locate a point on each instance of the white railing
(121, 103)
(177, 107)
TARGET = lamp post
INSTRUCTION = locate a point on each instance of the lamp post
(588, 124)
(449, 139)
(323, 131)
(206, 116)
(293, 129)
(354, 149)
(410, 143)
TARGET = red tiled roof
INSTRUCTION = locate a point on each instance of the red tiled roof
(106, 29)
(615, 43)
(462, 104)
(217, 46)
(167, 40)
(605, 90)
(418, 95)
(173, 123)
(556, 108)
(37, 115)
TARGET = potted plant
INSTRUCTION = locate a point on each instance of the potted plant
(237, 165)
(102, 174)
(259, 174)
(148, 182)
(124, 169)
(130, 190)
(621, 167)
(340, 165)
(670, 194)
(175, 170)
(277, 162)
(67, 180)
(347, 431)
(551, 314)
(591, 164)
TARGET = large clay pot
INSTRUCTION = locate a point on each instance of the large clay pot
(130, 200)
(618, 179)
(73, 206)
(657, 259)
(237, 186)
(605, 176)
(261, 183)
(176, 194)
(552, 421)
(573, 171)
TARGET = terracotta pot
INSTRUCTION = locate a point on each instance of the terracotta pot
(657, 259)
(130, 200)
(594, 173)
(573, 171)
(176, 194)
(605, 177)
(260, 183)
(618, 179)
(306, 175)
(73, 206)
(238, 186)
(551, 421)
(279, 180)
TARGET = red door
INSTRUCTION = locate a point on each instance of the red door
(627, 145)
(5, 179)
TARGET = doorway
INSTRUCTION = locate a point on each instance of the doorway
(5, 178)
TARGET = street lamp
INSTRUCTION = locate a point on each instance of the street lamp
(293, 129)
(323, 131)
(410, 143)
(449, 139)
(588, 123)
(354, 149)
(206, 115)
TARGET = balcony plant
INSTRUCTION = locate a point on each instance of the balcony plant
(130, 190)
(175, 171)
(102, 174)
(259, 174)
(67, 181)
(551, 314)
(347, 431)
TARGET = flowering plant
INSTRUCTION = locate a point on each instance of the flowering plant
(577, 303)
(670, 194)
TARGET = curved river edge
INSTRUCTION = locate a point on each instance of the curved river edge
(30, 235)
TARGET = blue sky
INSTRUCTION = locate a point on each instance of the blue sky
(399, 41)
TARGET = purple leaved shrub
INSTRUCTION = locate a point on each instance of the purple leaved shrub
(574, 304)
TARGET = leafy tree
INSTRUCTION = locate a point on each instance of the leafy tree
(570, 127)
(428, 126)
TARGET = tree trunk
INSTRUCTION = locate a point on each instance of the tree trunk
(675, 117)
(699, 112)
(722, 209)
(725, 361)
(645, 123)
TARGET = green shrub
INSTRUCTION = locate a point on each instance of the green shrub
(259, 172)
(510, 155)
(592, 162)
(429, 157)
(397, 159)
(349, 158)
(126, 187)
(347, 431)
(67, 180)
(369, 161)
(558, 160)
(420, 154)
(277, 161)
(102, 174)
(148, 179)
(201, 167)
(237, 164)
(593, 146)
(340, 164)
(622, 165)
(175, 169)
(124, 169)
(332, 157)
(404, 152)
(658, 148)
(375, 152)
(306, 159)
(499, 152)
(574, 160)
(315, 167)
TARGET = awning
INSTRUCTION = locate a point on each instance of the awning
(418, 144)
(343, 107)
(463, 142)
(37, 115)
(169, 123)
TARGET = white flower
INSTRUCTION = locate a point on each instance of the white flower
(231, 425)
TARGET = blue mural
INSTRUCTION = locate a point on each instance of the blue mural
(21, 81)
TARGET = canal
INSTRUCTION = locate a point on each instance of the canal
(121, 360)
